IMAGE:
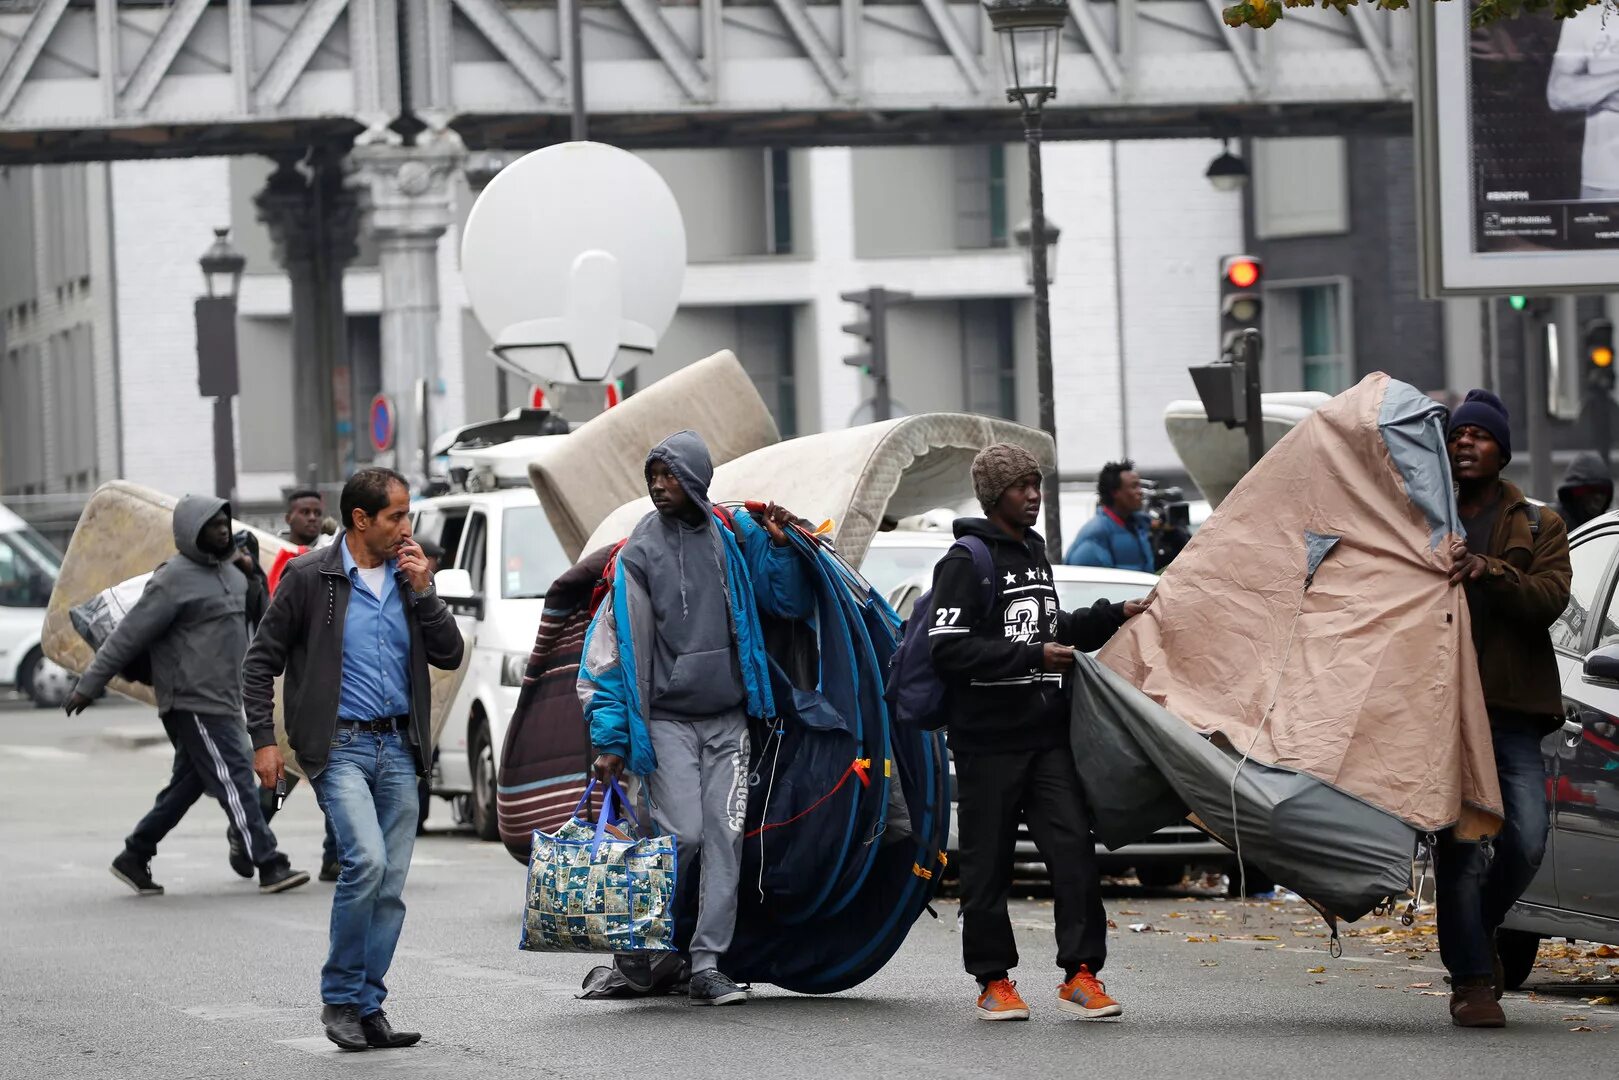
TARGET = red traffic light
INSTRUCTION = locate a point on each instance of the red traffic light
(1242, 272)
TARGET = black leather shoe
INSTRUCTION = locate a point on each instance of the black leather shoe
(343, 1026)
(331, 871)
(381, 1034)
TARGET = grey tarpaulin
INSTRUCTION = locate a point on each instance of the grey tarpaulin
(1143, 768)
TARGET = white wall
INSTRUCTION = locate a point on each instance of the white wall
(164, 213)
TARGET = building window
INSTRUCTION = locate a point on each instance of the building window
(997, 196)
(1309, 344)
(988, 363)
(780, 175)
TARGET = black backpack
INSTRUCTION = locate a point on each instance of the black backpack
(915, 693)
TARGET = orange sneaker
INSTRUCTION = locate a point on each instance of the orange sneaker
(1001, 1001)
(1084, 995)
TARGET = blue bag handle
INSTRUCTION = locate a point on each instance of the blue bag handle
(610, 791)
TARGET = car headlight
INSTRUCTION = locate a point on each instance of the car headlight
(512, 668)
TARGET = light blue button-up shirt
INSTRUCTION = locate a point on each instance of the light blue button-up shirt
(376, 648)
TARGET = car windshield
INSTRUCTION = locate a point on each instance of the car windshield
(532, 557)
(889, 565)
(1078, 595)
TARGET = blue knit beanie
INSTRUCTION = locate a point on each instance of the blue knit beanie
(1482, 409)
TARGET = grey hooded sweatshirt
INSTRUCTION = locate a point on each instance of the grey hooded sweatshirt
(192, 618)
(695, 672)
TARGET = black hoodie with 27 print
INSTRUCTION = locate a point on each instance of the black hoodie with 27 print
(1000, 696)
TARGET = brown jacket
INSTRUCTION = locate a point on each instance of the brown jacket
(1513, 607)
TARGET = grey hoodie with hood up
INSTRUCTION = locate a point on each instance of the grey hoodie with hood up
(192, 618)
(695, 672)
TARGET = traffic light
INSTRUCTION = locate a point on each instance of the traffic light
(1518, 303)
(1242, 306)
(1599, 354)
(872, 329)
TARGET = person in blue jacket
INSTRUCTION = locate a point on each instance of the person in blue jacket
(674, 665)
(1120, 534)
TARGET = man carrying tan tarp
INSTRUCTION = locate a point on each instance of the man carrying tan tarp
(1307, 685)
(1513, 561)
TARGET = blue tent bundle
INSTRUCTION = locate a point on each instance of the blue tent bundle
(848, 816)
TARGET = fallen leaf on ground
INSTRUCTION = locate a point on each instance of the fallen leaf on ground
(1127, 911)
(1111, 925)
(1382, 986)
(1605, 999)
(1140, 928)
(1605, 952)
(1419, 986)
(1206, 962)
(1432, 993)
(1582, 1027)
(1316, 970)
(1266, 937)
(1574, 1019)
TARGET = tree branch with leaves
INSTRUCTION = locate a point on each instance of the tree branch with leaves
(1261, 14)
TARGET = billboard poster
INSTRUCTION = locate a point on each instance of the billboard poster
(1519, 156)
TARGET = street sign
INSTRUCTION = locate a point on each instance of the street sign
(574, 257)
(382, 423)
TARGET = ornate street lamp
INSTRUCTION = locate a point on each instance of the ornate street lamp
(1030, 32)
(222, 267)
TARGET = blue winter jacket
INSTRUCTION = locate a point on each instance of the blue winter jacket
(615, 678)
(1105, 542)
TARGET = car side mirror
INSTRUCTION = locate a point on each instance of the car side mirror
(1603, 665)
(453, 584)
(455, 588)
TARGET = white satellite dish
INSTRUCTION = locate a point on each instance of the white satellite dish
(573, 260)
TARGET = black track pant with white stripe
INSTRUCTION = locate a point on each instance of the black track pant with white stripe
(212, 756)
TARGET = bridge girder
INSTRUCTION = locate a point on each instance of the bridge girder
(93, 79)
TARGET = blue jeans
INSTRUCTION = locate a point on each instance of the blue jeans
(368, 792)
(1474, 891)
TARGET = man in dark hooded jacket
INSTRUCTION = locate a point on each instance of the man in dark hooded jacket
(193, 621)
(1586, 491)
(673, 668)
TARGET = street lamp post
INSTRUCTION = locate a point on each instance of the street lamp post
(1030, 32)
(217, 377)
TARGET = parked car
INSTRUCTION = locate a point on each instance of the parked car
(1161, 862)
(500, 556)
(28, 569)
(1576, 893)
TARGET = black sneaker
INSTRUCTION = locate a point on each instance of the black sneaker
(239, 861)
(330, 871)
(277, 875)
(711, 987)
(136, 872)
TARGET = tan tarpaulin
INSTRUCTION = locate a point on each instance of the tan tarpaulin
(856, 476)
(1367, 679)
(126, 530)
(598, 468)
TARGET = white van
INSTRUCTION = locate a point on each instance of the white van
(500, 556)
(28, 569)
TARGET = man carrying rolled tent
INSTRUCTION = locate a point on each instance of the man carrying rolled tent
(674, 665)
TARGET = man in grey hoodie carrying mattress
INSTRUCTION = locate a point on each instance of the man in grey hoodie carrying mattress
(193, 619)
(673, 668)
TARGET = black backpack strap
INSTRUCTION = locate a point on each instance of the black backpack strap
(1534, 519)
(983, 565)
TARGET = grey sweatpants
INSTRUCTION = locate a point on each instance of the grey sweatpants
(699, 795)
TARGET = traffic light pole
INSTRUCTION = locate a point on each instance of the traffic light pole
(1033, 120)
(1534, 354)
(1253, 349)
(882, 405)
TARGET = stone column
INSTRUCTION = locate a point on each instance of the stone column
(407, 193)
(313, 221)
